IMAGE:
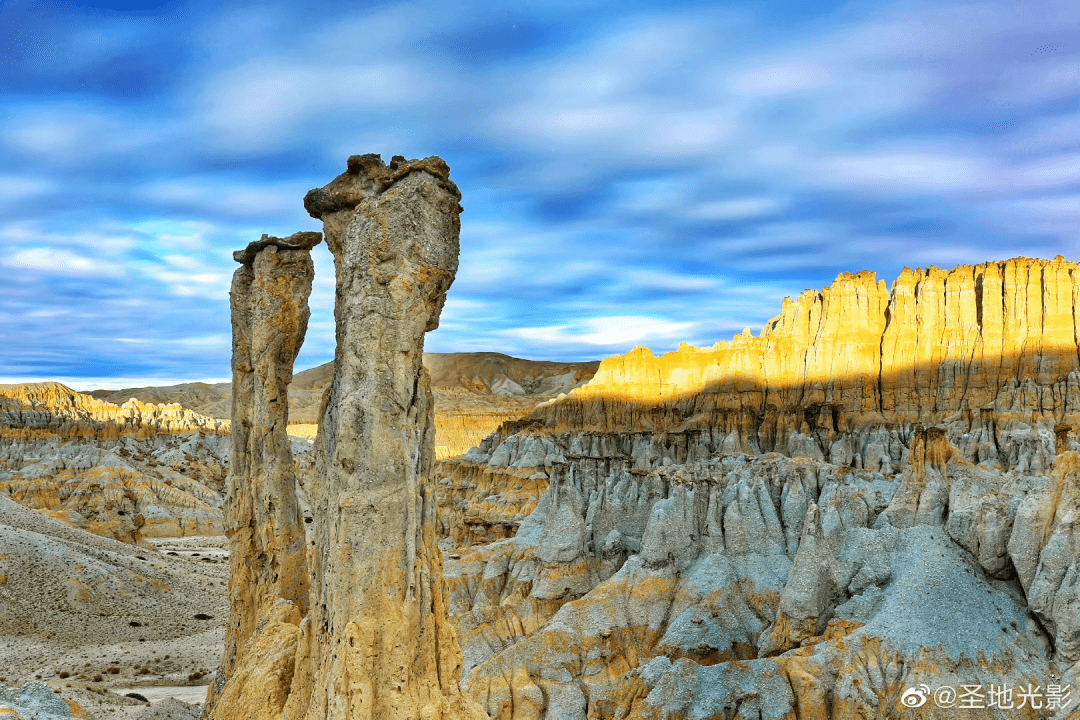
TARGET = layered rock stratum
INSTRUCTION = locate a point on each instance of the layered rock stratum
(876, 494)
(129, 472)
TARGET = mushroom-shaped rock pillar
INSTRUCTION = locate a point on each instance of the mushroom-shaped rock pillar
(378, 642)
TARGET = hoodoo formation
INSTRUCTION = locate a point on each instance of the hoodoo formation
(268, 588)
(380, 643)
(373, 639)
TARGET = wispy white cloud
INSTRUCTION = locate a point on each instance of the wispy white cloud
(653, 280)
(885, 171)
(650, 175)
(266, 101)
(1052, 172)
(55, 261)
(609, 332)
(69, 133)
(14, 188)
(109, 238)
(737, 208)
(220, 196)
(188, 235)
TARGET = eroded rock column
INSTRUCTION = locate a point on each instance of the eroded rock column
(379, 643)
(269, 587)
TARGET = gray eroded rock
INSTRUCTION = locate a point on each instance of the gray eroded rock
(34, 701)
(660, 577)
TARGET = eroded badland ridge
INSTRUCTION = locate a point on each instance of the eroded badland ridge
(129, 472)
(877, 492)
(89, 494)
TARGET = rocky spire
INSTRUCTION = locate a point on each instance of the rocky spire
(269, 587)
(379, 643)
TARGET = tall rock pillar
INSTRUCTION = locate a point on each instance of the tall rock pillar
(379, 643)
(269, 587)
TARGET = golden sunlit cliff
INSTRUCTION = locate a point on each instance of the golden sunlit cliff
(989, 350)
(50, 409)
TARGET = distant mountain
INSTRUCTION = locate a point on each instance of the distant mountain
(474, 394)
(463, 382)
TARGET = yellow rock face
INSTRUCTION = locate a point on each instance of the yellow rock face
(268, 588)
(996, 338)
(360, 629)
(35, 410)
(380, 643)
(456, 432)
(110, 502)
(259, 684)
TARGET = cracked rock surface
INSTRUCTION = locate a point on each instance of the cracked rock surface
(369, 636)
(378, 642)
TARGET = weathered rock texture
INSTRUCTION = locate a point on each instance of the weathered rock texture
(34, 700)
(878, 492)
(378, 642)
(987, 351)
(36, 410)
(268, 590)
(129, 472)
(371, 637)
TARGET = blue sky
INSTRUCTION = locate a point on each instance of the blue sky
(633, 173)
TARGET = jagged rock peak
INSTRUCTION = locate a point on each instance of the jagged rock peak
(913, 349)
(296, 241)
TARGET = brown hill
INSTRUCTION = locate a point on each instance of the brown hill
(474, 394)
(484, 375)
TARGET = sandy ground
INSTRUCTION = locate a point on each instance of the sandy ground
(95, 619)
(307, 431)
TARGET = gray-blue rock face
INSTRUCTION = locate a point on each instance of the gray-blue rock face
(660, 577)
(35, 701)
